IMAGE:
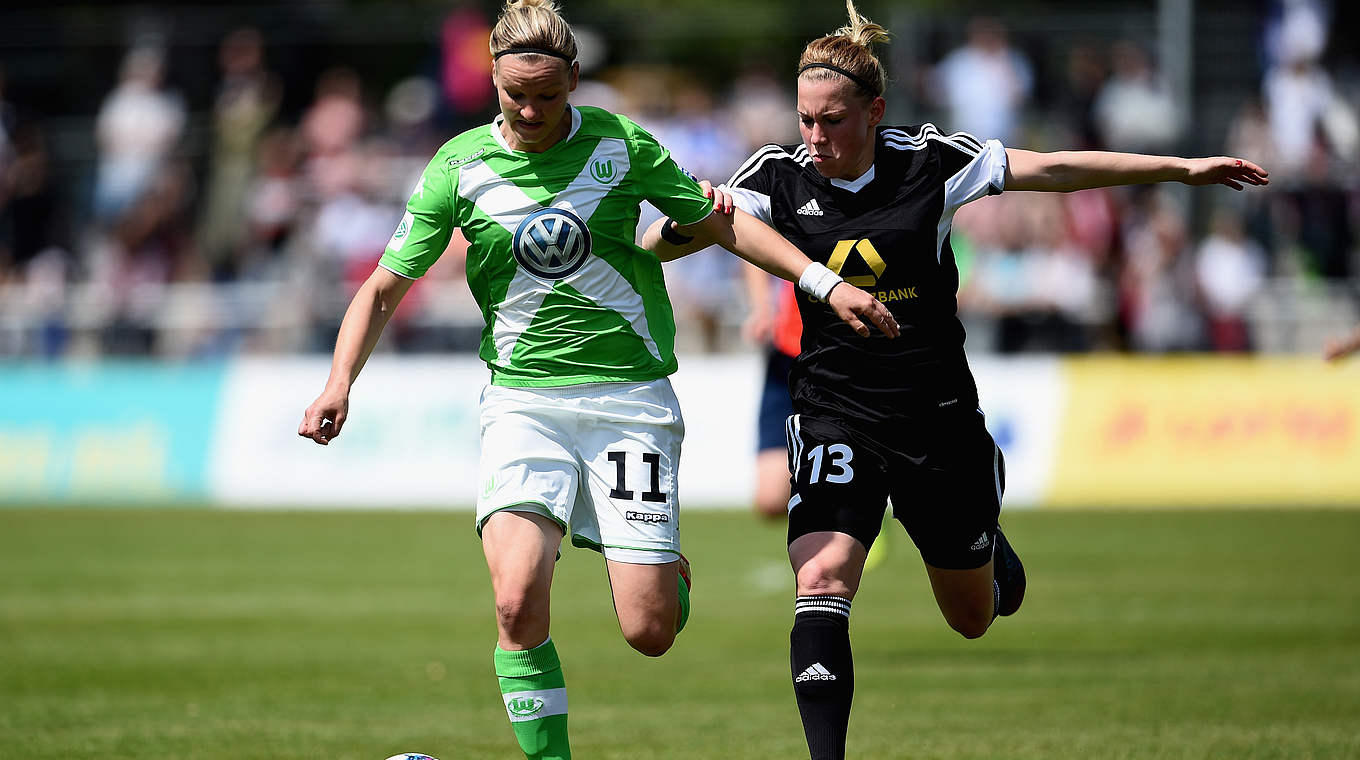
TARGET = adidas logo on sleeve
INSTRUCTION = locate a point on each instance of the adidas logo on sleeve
(810, 209)
(815, 673)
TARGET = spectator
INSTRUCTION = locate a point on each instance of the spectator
(1134, 110)
(1300, 98)
(247, 101)
(1230, 272)
(138, 127)
(985, 84)
(28, 205)
(1157, 284)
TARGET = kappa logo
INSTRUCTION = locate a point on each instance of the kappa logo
(460, 161)
(646, 517)
(815, 673)
(602, 171)
(552, 243)
(524, 707)
(810, 209)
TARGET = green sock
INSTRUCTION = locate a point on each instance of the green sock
(684, 603)
(535, 697)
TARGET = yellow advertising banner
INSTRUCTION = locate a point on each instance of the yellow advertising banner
(1140, 432)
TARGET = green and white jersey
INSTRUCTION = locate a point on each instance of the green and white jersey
(567, 296)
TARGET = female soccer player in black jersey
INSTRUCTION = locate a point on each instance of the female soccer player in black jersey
(876, 418)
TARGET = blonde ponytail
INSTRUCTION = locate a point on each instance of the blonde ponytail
(848, 52)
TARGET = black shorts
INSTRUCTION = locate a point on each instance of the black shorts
(945, 476)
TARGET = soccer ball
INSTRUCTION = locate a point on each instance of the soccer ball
(410, 756)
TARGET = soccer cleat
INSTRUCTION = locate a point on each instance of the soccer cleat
(1009, 573)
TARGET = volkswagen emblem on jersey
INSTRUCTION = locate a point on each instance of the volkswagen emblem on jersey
(552, 243)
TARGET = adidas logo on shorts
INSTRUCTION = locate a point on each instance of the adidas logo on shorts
(815, 673)
(810, 209)
(983, 542)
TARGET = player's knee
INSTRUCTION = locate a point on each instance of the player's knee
(818, 578)
(520, 618)
(652, 638)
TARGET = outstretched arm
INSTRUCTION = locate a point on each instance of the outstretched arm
(364, 321)
(1066, 171)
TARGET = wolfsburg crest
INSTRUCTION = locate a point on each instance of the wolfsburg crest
(552, 243)
(525, 706)
(602, 171)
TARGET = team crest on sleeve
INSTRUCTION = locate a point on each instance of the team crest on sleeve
(402, 231)
(552, 243)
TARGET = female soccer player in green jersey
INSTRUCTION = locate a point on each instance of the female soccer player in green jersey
(580, 429)
(872, 418)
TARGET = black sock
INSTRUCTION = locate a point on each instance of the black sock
(823, 672)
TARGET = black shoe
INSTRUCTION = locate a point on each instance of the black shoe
(1009, 573)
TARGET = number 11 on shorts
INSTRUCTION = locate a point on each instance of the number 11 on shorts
(620, 489)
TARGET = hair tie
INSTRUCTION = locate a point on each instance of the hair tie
(842, 72)
(539, 50)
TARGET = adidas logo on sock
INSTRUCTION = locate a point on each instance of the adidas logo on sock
(815, 673)
(983, 542)
(810, 209)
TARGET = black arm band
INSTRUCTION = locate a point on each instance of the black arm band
(672, 235)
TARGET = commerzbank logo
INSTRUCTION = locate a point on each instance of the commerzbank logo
(552, 242)
(524, 707)
(866, 251)
(602, 170)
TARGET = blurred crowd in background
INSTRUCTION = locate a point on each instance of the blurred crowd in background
(251, 232)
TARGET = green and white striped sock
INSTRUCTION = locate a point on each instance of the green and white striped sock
(682, 588)
(535, 697)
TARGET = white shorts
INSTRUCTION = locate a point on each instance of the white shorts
(599, 459)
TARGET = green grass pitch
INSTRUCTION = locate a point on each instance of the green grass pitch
(207, 635)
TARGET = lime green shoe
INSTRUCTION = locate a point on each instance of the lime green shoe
(879, 552)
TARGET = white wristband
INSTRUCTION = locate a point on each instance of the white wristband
(817, 281)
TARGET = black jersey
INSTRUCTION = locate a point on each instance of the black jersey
(887, 233)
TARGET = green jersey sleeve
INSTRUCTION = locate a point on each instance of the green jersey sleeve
(425, 229)
(664, 183)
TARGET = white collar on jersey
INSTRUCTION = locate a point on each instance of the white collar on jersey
(500, 118)
(853, 185)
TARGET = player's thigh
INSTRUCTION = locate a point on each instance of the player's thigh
(966, 598)
(949, 495)
(521, 551)
(527, 461)
(644, 594)
(839, 481)
(630, 457)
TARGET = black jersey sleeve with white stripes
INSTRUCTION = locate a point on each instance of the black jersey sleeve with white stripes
(969, 168)
(750, 185)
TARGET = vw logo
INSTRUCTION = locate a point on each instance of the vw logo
(552, 243)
